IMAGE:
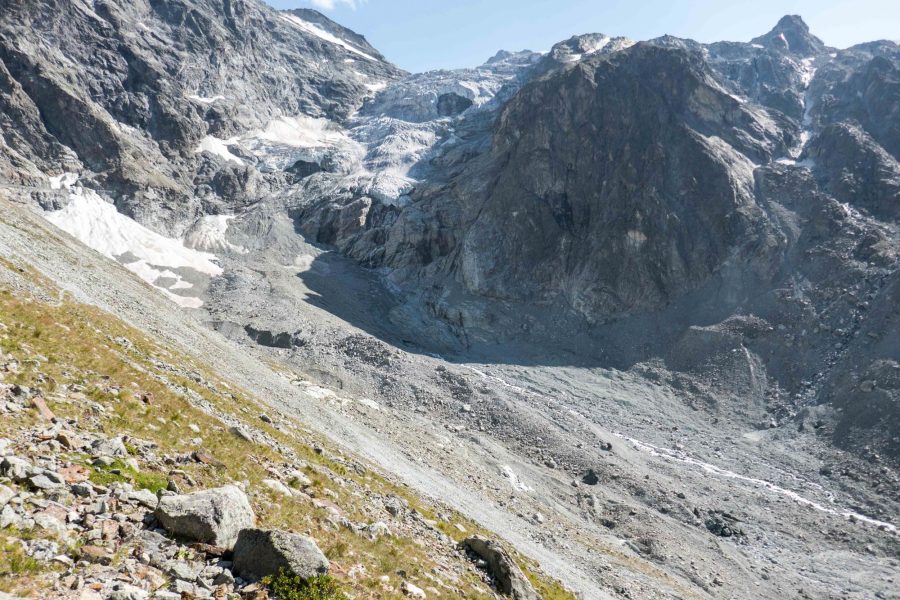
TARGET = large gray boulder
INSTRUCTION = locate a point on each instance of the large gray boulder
(211, 516)
(261, 552)
(508, 578)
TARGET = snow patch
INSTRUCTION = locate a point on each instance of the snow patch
(205, 99)
(514, 480)
(218, 147)
(324, 35)
(66, 180)
(301, 132)
(151, 256)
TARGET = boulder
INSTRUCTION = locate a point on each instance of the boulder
(508, 577)
(112, 447)
(211, 516)
(16, 468)
(260, 552)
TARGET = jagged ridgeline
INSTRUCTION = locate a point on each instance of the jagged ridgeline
(631, 304)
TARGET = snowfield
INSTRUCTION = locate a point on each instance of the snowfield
(153, 257)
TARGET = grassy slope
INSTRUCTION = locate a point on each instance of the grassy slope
(71, 343)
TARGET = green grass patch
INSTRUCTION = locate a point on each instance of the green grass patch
(288, 586)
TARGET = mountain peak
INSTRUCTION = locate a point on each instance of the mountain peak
(791, 34)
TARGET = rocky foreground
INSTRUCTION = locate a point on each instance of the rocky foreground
(130, 472)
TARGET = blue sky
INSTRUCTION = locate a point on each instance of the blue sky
(426, 34)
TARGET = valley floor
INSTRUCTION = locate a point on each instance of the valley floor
(615, 484)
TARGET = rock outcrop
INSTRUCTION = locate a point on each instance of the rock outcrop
(508, 578)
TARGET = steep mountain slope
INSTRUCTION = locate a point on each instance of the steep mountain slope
(141, 95)
(632, 305)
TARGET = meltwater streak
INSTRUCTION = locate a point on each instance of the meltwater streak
(713, 469)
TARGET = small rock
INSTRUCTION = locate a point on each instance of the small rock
(44, 482)
(412, 591)
(83, 490)
(6, 494)
(95, 554)
(69, 440)
(111, 447)
(377, 530)
(9, 517)
(277, 486)
(145, 498)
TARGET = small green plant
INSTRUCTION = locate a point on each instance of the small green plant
(118, 471)
(14, 561)
(288, 586)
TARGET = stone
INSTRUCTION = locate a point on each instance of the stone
(298, 478)
(69, 440)
(6, 494)
(16, 468)
(507, 576)
(277, 486)
(44, 483)
(111, 447)
(260, 552)
(224, 578)
(180, 569)
(125, 591)
(411, 590)
(9, 517)
(377, 530)
(145, 498)
(212, 516)
(42, 408)
(95, 554)
(83, 490)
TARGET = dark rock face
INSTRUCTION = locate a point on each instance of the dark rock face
(268, 338)
(856, 170)
(451, 104)
(862, 86)
(792, 35)
(128, 89)
(593, 195)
